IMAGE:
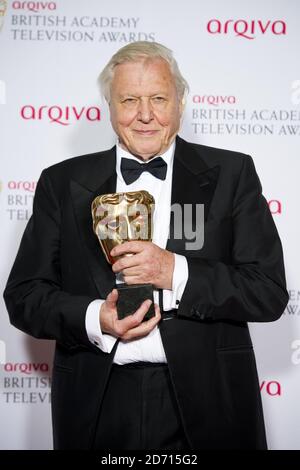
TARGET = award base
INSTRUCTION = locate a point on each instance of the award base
(131, 297)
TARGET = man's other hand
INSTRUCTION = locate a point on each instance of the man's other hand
(130, 327)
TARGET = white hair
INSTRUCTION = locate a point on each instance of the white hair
(134, 52)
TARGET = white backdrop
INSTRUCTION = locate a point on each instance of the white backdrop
(241, 60)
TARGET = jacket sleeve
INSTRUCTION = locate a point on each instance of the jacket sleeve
(34, 298)
(252, 287)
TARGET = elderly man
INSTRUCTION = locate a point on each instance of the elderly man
(186, 378)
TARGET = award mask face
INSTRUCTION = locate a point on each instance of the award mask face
(120, 217)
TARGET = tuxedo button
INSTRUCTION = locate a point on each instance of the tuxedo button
(194, 311)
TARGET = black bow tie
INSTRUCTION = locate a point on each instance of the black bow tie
(131, 169)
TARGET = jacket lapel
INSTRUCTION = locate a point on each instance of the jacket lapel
(100, 178)
(193, 184)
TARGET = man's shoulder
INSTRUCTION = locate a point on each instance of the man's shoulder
(75, 165)
(217, 156)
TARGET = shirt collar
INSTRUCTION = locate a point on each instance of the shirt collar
(168, 157)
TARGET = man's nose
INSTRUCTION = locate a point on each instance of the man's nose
(145, 113)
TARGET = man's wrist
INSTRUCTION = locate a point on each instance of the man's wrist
(172, 259)
(101, 321)
(167, 280)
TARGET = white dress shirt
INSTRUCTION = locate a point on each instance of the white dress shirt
(150, 347)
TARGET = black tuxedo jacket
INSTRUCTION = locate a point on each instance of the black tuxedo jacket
(237, 277)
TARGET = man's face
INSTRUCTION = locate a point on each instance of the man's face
(145, 110)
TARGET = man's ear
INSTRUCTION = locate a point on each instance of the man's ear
(182, 104)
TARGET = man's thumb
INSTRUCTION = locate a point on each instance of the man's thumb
(112, 298)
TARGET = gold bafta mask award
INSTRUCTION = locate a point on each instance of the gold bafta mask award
(117, 218)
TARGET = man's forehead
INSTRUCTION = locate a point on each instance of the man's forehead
(136, 69)
(132, 79)
(144, 62)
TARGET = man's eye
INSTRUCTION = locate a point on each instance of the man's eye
(158, 99)
(129, 100)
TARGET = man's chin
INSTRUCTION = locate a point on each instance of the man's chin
(146, 152)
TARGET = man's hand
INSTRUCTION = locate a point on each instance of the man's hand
(130, 327)
(148, 264)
